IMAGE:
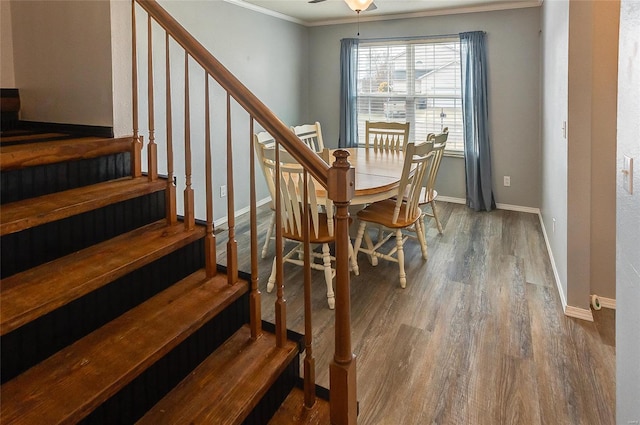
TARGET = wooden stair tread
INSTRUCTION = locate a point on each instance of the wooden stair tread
(24, 137)
(32, 293)
(227, 385)
(293, 411)
(41, 153)
(31, 212)
(70, 384)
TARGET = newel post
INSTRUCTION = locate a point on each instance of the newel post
(342, 370)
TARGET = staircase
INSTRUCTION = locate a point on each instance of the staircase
(112, 307)
(107, 307)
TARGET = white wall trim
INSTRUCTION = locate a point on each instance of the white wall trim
(451, 199)
(439, 12)
(266, 11)
(519, 208)
(569, 310)
(508, 207)
(556, 275)
(223, 220)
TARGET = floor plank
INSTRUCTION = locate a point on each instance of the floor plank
(477, 337)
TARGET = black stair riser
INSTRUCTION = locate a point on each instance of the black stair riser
(35, 341)
(274, 397)
(32, 247)
(25, 183)
(133, 401)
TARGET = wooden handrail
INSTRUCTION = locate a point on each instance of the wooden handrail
(261, 113)
(338, 180)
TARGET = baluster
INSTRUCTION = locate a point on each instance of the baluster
(170, 200)
(210, 239)
(232, 245)
(255, 307)
(281, 303)
(342, 370)
(152, 148)
(309, 361)
(189, 214)
(136, 149)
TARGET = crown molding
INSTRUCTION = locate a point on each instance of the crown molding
(267, 12)
(364, 18)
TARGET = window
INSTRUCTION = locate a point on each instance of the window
(416, 81)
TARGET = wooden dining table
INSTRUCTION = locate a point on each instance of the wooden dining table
(378, 173)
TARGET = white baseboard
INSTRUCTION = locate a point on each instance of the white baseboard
(556, 275)
(578, 313)
(508, 207)
(569, 310)
(452, 200)
(225, 219)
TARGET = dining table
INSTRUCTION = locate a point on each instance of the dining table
(378, 173)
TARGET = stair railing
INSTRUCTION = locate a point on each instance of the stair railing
(338, 180)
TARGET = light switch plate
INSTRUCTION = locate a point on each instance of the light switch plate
(627, 174)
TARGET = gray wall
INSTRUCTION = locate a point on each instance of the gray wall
(64, 69)
(62, 61)
(513, 58)
(578, 171)
(7, 79)
(267, 54)
(628, 220)
(555, 62)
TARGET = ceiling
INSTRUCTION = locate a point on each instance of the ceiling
(336, 11)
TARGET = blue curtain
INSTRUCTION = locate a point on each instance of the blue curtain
(348, 91)
(475, 110)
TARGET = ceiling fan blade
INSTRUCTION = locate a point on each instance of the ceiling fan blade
(371, 7)
(315, 1)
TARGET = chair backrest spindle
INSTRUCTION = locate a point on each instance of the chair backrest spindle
(387, 135)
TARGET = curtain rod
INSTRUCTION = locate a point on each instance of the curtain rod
(412, 38)
(417, 37)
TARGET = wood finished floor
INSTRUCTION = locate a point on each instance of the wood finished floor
(477, 337)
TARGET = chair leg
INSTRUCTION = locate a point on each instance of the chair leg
(400, 255)
(372, 257)
(272, 277)
(380, 233)
(354, 260)
(272, 224)
(420, 233)
(358, 242)
(326, 259)
(435, 215)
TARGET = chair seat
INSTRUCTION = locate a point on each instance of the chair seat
(427, 196)
(323, 232)
(382, 213)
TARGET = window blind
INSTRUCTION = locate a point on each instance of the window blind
(416, 81)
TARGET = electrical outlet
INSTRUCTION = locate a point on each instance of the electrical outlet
(223, 191)
(507, 180)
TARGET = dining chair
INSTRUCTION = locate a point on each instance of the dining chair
(321, 222)
(399, 213)
(311, 135)
(428, 194)
(261, 142)
(387, 135)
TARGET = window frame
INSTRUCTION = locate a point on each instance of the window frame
(409, 97)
